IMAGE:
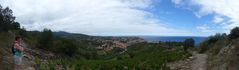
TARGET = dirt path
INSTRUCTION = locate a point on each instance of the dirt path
(196, 62)
(200, 62)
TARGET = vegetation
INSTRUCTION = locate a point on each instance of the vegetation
(207, 44)
(139, 56)
(234, 33)
(171, 44)
(45, 39)
(188, 43)
(82, 54)
(222, 50)
(7, 20)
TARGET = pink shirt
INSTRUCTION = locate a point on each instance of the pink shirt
(18, 45)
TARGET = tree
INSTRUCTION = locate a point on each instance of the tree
(45, 39)
(22, 32)
(215, 38)
(188, 43)
(15, 26)
(234, 33)
(206, 44)
(68, 47)
(7, 20)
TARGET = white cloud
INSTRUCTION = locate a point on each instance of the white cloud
(98, 17)
(218, 19)
(225, 11)
(204, 28)
(227, 8)
(177, 2)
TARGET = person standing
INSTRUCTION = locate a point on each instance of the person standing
(18, 52)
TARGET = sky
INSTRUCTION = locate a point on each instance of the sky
(128, 17)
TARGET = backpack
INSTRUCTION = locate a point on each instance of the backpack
(13, 49)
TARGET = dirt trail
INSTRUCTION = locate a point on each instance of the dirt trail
(196, 62)
(200, 62)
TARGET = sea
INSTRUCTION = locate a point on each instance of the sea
(197, 39)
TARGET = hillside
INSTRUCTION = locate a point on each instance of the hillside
(135, 55)
(5, 54)
(139, 56)
(107, 43)
(71, 35)
(224, 55)
(222, 50)
(46, 51)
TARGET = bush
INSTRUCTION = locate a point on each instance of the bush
(22, 32)
(45, 39)
(67, 46)
(234, 33)
(188, 43)
(210, 41)
(204, 46)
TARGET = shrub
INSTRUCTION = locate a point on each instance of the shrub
(67, 47)
(234, 33)
(210, 41)
(45, 39)
(188, 43)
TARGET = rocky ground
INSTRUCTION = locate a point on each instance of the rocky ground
(7, 61)
(195, 62)
(28, 62)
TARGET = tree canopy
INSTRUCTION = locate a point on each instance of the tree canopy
(7, 20)
(188, 43)
(234, 33)
(45, 39)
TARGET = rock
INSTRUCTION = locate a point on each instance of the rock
(30, 68)
(187, 59)
(186, 62)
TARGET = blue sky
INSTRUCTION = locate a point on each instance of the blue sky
(128, 17)
(181, 18)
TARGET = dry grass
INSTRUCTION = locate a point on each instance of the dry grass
(6, 58)
(224, 55)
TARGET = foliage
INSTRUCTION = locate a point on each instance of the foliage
(22, 32)
(188, 43)
(7, 20)
(171, 44)
(65, 46)
(234, 33)
(205, 45)
(45, 39)
(139, 56)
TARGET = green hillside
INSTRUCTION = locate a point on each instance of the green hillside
(47, 50)
(140, 56)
